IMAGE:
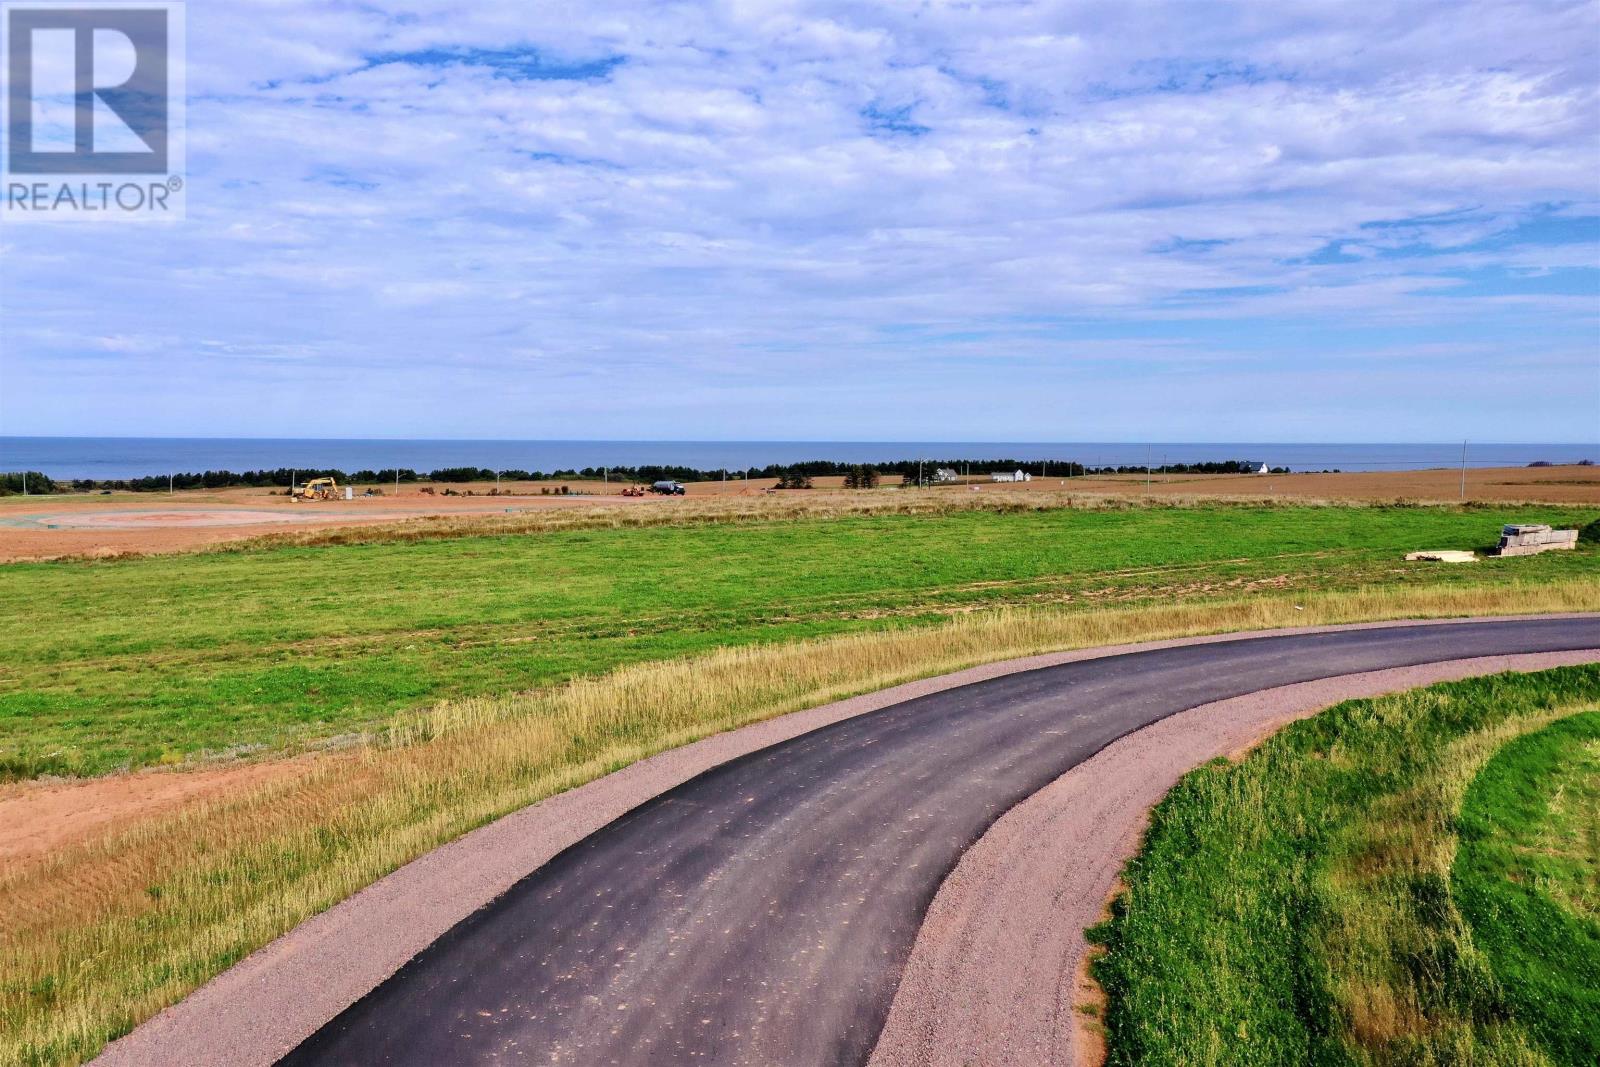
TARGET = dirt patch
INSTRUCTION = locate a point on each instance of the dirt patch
(1253, 739)
(44, 816)
(172, 519)
(1089, 998)
(1553, 485)
(97, 528)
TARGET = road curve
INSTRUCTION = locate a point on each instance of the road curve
(762, 912)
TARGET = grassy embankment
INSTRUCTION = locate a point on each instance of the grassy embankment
(139, 661)
(1307, 905)
(1528, 882)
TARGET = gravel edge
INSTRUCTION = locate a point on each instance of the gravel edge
(259, 1009)
(993, 975)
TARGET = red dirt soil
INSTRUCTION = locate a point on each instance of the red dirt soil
(60, 526)
(37, 817)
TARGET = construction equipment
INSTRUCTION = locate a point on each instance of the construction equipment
(315, 489)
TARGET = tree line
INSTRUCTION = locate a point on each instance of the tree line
(789, 475)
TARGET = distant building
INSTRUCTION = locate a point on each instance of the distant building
(1263, 470)
(945, 474)
(1013, 476)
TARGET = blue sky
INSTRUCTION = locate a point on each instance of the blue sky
(976, 221)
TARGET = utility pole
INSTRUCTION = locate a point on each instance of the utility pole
(1463, 470)
(169, 483)
(397, 481)
(24, 483)
(1147, 470)
(919, 474)
(497, 481)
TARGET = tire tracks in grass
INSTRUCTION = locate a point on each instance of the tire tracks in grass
(952, 599)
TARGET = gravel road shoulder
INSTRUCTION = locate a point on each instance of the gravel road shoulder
(270, 1002)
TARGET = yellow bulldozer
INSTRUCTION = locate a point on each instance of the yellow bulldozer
(316, 489)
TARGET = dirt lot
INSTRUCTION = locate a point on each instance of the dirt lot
(1552, 485)
(121, 523)
(44, 527)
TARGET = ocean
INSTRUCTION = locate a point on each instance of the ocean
(134, 457)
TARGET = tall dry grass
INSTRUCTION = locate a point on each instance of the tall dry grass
(102, 935)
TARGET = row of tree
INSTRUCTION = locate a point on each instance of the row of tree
(789, 476)
(25, 482)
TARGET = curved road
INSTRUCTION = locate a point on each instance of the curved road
(762, 913)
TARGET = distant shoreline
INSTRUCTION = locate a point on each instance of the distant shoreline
(126, 459)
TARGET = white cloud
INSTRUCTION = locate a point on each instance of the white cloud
(714, 195)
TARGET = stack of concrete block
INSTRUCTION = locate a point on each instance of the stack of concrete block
(1527, 539)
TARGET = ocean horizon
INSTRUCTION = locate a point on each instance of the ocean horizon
(106, 458)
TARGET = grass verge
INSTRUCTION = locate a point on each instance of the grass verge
(159, 660)
(100, 936)
(1528, 879)
(1297, 907)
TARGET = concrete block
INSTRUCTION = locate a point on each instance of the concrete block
(1562, 540)
(1531, 538)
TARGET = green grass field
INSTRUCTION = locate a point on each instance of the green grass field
(1528, 880)
(1307, 905)
(112, 664)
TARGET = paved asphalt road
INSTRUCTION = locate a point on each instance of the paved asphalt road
(762, 912)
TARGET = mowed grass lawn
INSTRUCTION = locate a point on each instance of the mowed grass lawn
(1528, 881)
(111, 664)
(1405, 880)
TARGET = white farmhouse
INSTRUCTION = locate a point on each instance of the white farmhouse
(1012, 476)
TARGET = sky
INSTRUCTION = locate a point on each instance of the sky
(1276, 221)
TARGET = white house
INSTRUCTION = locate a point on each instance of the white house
(1263, 470)
(945, 474)
(1013, 476)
